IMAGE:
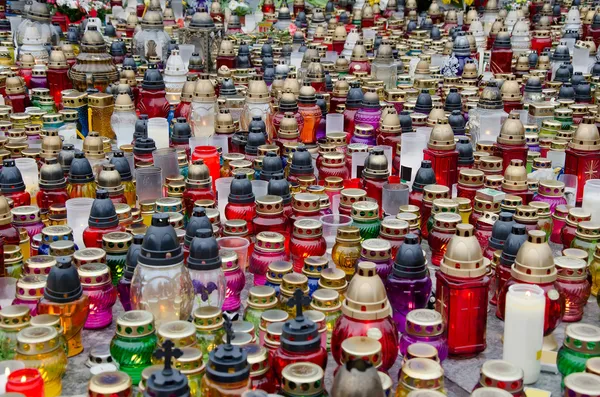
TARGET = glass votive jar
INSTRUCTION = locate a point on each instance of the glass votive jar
(134, 343)
(13, 261)
(191, 365)
(313, 266)
(28, 218)
(582, 342)
(574, 217)
(426, 326)
(327, 301)
(51, 320)
(112, 383)
(272, 339)
(502, 375)
(89, 255)
(275, 274)
(12, 320)
(586, 237)
(262, 376)
(208, 321)
(116, 245)
(39, 265)
(96, 283)
(334, 279)
(267, 318)
(39, 348)
(582, 384)
(361, 348)
(30, 289)
(235, 278)
(260, 299)
(572, 283)
(559, 219)
(181, 333)
(292, 282)
(420, 373)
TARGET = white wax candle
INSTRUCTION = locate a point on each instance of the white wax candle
(524, 329)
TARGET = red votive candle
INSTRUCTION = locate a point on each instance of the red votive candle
(27, 381)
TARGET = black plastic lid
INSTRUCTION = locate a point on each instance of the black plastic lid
(355, 96)
(425, 176)
(195, 62)
(227, 88)
(255, 139)
(116, 49)
(122, 165)
(583, 92)
(453, 101)
(197, 221)
(66, 156)
(271, 165)
(328, 83)
(410, 262)
(131, 260)
(370, 101)
(465, 151)
(182, 132)
(405, 121)
(513, 243)
(566, 91)
(533, 59)
(144, 146)
(11, 180)
(244, 49)
(103, 214)
(533, 85)
(241, 190)
(424, 102)
(52, 175)
(596, 21)
(160, 247)
(344, 18)
(502, 41)
(80, 170)
(301, 162)
(321, 103)
(596, 69)
(228, 363)
(300, 335)
(153, 79)
(266, 50)
(435, 34)
(501, 229)
(129, 62)
(167, 382)
(204, 251)
(311, 98)
(561, 53)
(109, 30)
(62, 284)
(240, 138)
(577, 79)
(257, 124)
(457, 122)
(141, 127)
(279, 186)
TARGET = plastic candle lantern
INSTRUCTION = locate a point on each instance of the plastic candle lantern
(198, 221)
(29, 382)
(124, 284)
(357, 322)
(307, 240)
(305, 206)
(53, 186)
(14, 319)
(112, 383)
(276, 271)
(409, 273)
(235, 280)
(291, 282)
(463, 273)
(160, 262)
(580, 345)
(116, 245)
(208, 321)
(552, 193)
(572, 284)
(241, 203)
(204, 264)
(346, 250)
(365, 217)
(586, 237)
(583, 154)
(81, 178)
(270, 216)
(503, 375)
(30, 289)
(103, 219)
(511, 141)
(534, 264)
(228, 372)
(575, 216)
(500, 231)
(515, 181)
(12, 185)
(96, 283)
(269, 248)
(300, 340)
(469, 181)
(15, 94)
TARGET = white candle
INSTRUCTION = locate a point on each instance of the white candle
(524, 329)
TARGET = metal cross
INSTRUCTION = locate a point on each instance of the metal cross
(228, 329)
(168, 352)
(298, 300)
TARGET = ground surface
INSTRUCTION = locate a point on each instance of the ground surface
(461, 375)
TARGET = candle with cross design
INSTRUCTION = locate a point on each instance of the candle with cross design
(228, 371)
(168, 381)
(300, 340)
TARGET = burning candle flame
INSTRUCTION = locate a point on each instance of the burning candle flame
(6, 371)
(527, 293)
(23, 379)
